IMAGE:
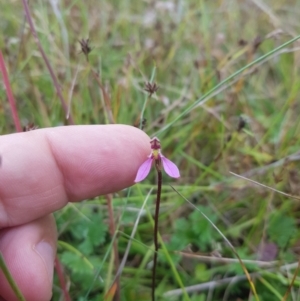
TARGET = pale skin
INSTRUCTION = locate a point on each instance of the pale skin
(43, 170)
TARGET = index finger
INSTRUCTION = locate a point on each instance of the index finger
(44, 169)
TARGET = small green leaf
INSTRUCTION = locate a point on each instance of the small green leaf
(281, 229)
(74, 262)
(201, 273)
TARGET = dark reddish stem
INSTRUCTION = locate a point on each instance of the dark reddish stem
(159, 182)
(10, 95)
(61, 278)
(39, 45)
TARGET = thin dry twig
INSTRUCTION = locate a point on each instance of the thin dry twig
(225, 260)
(105, 97)
(262, 170)
(217, 283)
(71, 92)
(288, 291)
(265, 186)
(208, 285)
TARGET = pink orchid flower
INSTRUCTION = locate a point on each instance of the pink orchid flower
(170, 168)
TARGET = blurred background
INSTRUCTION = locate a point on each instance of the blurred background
(210, 123)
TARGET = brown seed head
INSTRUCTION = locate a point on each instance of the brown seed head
(29, 127)
(151, 88)
(85, 47)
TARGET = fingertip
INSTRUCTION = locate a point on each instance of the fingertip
(98, 159)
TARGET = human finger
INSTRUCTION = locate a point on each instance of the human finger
(44, 169)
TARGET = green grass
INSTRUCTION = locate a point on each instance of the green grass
(197, 52)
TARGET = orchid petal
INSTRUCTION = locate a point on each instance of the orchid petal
(143, 170)
(170, 168)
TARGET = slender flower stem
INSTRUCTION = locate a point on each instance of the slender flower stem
(161, 162)
(10, 95)
(159, 183)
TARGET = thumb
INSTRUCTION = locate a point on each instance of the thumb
(29, 252)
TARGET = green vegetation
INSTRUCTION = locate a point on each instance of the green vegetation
(248, 125)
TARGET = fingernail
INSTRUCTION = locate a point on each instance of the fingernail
(47, 255)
